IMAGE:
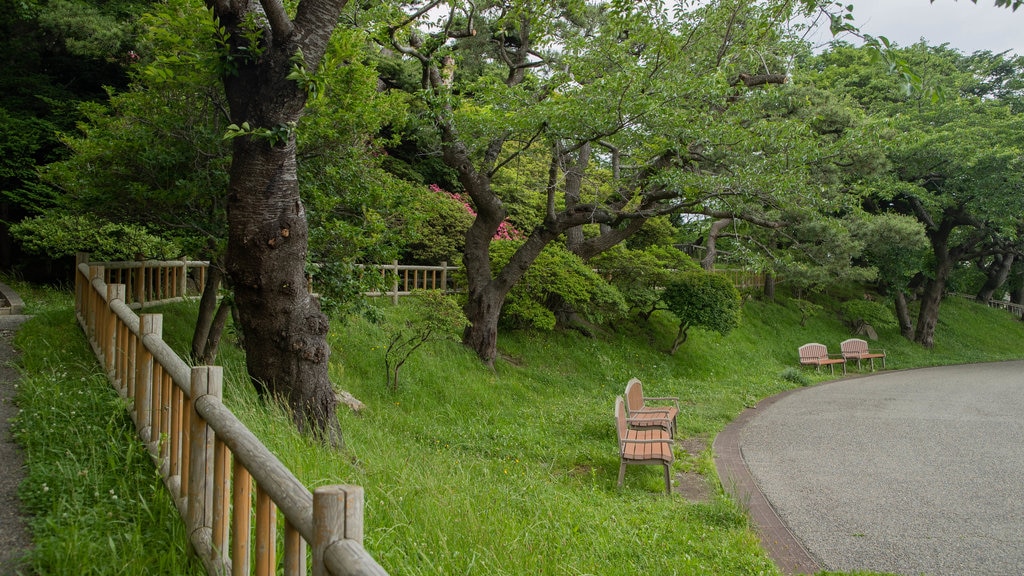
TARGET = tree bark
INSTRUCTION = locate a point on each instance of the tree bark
(207, 312)
(283, 327)
(995, 276)
(208, 355)
(769, 286)
(573, 188)
(708, 262)
(903, 315)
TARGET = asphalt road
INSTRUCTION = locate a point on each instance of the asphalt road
(910, 472)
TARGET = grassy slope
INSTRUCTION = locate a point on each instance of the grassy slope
(469, 471)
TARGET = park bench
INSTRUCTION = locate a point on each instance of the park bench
(817, 355)
(857, 348)
(642, 416)
(650, 446)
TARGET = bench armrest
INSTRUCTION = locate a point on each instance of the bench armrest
(648, 421)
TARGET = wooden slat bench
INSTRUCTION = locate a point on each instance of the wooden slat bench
(855, 348)
(642, 416)
(817, 355)
(652, 446)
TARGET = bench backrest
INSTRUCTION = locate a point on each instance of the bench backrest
(634, 395)
(620, 420)
(813, 351)
(854, 346)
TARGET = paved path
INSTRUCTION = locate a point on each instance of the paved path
(911, 472)
(14, 537)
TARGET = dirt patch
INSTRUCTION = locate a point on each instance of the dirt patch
(694, 445)
(692, 486)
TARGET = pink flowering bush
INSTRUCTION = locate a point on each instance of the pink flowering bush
(506, 231)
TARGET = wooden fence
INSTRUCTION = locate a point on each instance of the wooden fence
(209, 461)
(414, 277)
(1015, 309)
(154, 282)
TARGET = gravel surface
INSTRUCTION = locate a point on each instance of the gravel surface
(911, 472)
(14, 537)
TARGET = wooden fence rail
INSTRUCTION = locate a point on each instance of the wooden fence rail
(409, 277)
(1015, 309)
(150, 282)
(209, 461)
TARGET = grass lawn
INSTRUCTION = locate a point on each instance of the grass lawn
(466, 470)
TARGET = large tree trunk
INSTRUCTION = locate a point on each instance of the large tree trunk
(285, 331)
(769, 286)
(283, 327)
(708, 262)
(928, 316)
(995, 276)
(903, 315)
(574, 172)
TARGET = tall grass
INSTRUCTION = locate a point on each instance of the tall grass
(97, 504)
(513, 471)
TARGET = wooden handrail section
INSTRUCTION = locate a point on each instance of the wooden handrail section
(210, 462)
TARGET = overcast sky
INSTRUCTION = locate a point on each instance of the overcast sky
(961, 23)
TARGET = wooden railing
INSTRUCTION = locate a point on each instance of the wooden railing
(149, 282)
(407, 278)
(1015, 309)
(743, 279)
(210, 461)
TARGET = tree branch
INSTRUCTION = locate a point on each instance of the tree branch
(280, 23)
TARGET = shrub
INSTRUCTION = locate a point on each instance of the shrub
(704, 300)
(796, 376)
(557, 280)
(63, 235)
(860, 312)
(432, 316)
(640, 275)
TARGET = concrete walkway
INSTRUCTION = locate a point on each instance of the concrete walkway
(910, 472)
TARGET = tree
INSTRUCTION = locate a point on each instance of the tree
(268, 59)
(896, 246)
(433, 315)
(956, 162)
(703, 300)
(619, 90)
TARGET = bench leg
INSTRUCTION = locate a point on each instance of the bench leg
(622, 473)
(668, 479)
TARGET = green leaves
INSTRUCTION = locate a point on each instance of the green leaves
(276, 136)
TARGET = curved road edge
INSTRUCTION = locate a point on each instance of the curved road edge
(782, 546)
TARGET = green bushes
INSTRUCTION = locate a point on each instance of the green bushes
(558, 280)
(703, 300)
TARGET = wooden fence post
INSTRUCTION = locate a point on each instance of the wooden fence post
(183, 279)
(109, 344)
(337, 515)
(139, 279)
(394, 293)
(148, 324)
(444, 277)
(206, 380)
(81, 283)
(95, 303)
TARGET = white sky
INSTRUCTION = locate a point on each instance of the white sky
(964, 25)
